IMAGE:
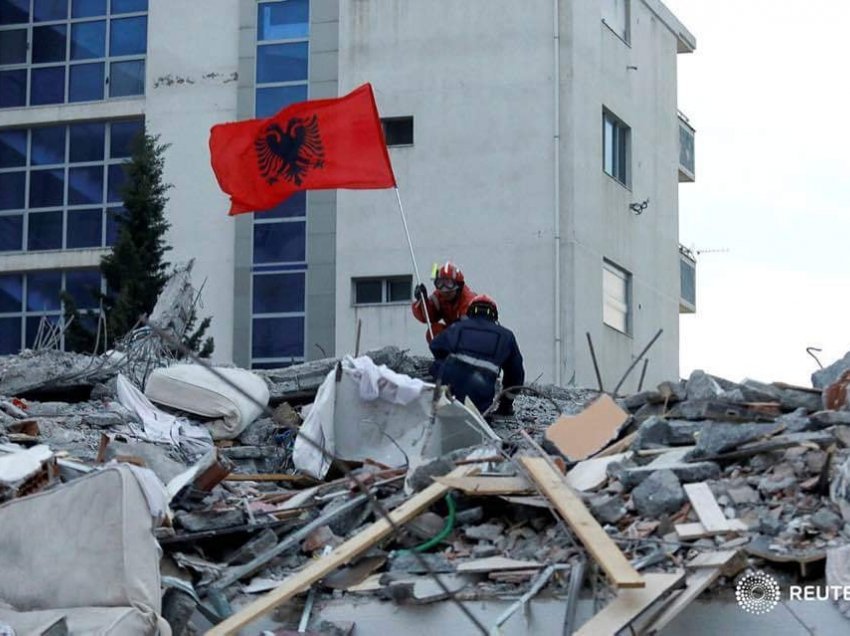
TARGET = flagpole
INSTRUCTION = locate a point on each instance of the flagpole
(413, 258)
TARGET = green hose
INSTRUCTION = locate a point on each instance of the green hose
(446, 531)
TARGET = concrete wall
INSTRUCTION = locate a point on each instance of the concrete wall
(595, 209)
(192, 77)
(476, 76)
(478, 182)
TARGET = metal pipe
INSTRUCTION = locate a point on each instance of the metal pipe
(636, 360)
(413, 258)
(576, 579)
(642, 375)
(556, 180)
(595, 364)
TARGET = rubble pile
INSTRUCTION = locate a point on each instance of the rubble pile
(669, 491)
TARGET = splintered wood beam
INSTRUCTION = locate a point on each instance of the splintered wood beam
(588, 530)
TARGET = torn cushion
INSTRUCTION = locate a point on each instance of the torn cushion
(195, 389)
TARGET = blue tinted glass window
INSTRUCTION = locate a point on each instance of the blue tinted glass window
(277, 337)
(13, 88)
(83, 286)
(13, 46)
(128, 36)
(11, 293)
(129, 6)
(87, 142)
(84, 228)
(11, 233)
(34, 325)
(87, 8)
(278, 293)
(88, 39)
(12, 185)
(279, 242)
(14, 11)
(43, 290)
(48, 145)
(126, 78)
(86, 82)
(85, 185)
(117, 177)
(46, 188)
(13, 148)
(48, 43)
(295, 205)
(10, 335)
(48, 85)
(114, 216)
(283, 20)
(122, 137)
(44, 10)
(45, 231)
(282, 62)
(272, 99)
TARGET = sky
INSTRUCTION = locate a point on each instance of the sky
(768, 91)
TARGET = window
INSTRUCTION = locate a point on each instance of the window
(50, 55)
(398, 131)
(615, 14)
(60, 186)
(616, 142)
(376, 291)
(27, 299)
(617, 297)
(280, 235)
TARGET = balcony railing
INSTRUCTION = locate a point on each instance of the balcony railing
(687, 166)
(687, 281)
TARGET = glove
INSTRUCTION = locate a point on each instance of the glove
(420, 292)
(506, 407)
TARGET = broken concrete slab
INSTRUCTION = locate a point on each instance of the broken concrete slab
(701, 386)
(209, 519)
(721, 411)
(608, 509)
(652, 433)
(720, 437)
(826, 376)
(660, 493)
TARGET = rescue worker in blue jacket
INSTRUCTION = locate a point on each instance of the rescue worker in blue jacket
(470, 353)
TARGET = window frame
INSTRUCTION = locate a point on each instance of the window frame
(609, 303)
(24, 313)
(67, 63)
(385, 289)
(385, 121)
(66, 166)
(621, 148)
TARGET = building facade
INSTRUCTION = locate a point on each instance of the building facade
(540, 150)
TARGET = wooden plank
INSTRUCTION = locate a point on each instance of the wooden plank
(697, 581)
(580, 436)
(591, 534)
(705, 505)
(617, 447)
(590, 473)
(315, 570)
(497, 563)
(688, 531)
(487, 485)
(629, 605)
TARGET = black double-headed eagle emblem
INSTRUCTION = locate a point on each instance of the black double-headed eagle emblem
(290, 153)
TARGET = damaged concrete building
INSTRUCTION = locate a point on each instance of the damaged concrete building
(537, 145)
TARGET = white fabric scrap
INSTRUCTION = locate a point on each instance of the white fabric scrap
(159, 426)
(382, 382)
(153, 490)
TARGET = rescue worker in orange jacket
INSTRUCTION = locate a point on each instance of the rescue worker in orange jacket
(447, 304)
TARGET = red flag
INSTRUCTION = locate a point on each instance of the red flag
(313, 145)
